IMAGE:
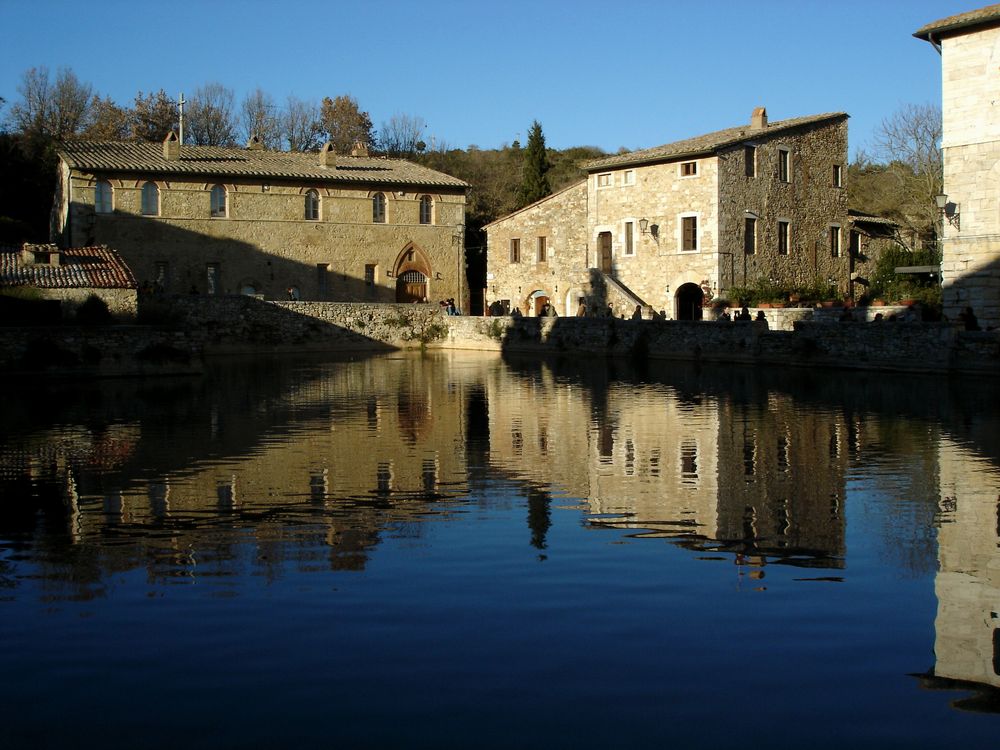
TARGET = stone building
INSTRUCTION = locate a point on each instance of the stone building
(969, 45)
(70, 276)
(315, 226)
(671, 227)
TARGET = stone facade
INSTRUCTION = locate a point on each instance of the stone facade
(665, 228)
(969, 45)
(264, 240)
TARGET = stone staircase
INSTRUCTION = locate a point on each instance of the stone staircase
(607, 290)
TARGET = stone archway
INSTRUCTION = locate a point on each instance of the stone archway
(412, 270)
(688, 302)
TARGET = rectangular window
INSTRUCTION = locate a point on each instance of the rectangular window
(604, 180)
(750, 161)
(689, 233)
(628, 178)
(370, 274)
(783, 237)
(323, 278)
(213, 282)
(629, 239)
(749, 235)
(834, 241)
(102, 197)
(515, 250)
(784, 165)
(689, 169)
(854, 244)
(160, 275)
(838, 176)
(540, 255)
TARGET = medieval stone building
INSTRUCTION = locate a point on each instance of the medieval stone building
(969, 44)
(672, 227)
(311, 226)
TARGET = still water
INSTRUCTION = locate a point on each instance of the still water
(459, 550)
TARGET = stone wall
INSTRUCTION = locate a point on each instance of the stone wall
(920, 347)
(121, 302)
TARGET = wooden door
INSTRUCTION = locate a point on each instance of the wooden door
(604, 245)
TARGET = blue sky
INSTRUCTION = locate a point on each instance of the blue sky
(608, 74)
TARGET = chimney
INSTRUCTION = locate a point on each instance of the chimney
(171, 147)
(758, 120)
(359, 149)
(327, 156)
(40, 255)
(255, 143)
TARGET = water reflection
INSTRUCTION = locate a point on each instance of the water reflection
(263, 468)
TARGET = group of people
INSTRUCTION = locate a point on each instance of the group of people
(449, 307)
(742, 316)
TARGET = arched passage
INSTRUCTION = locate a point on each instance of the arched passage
(688, 302)
(412, 269)
(537, 300)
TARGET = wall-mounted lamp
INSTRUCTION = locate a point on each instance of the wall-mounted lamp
(644, 225)
(437, 276)
(388, 274)
(950, 211)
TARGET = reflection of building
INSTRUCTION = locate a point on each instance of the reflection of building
(670, 226)
(969, 44)
(967, 643)
(226, 220)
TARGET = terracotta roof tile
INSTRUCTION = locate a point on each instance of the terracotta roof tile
(79, 268)
(215, 161)
(989, 14)
(706, 144)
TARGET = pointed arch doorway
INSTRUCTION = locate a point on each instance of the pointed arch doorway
(412, 270)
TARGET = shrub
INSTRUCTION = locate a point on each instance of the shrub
(93, 312)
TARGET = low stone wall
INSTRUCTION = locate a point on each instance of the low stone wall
(238, 323)
(917, 347)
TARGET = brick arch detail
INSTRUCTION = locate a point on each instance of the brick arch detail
(412, 258)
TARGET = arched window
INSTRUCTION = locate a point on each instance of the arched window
(103, 203)
(378, 208)
(312, 205)
(426, 205)
(218, 201)
(150, 199)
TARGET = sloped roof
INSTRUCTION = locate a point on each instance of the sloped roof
(215, 161)
(860, 217)
(79, 268)
(708, 143)
(989, 14)
(581, 183)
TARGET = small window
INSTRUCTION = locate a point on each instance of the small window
(370, 274)
(515, 250)
(161, 276)
(783, 235)
(541, 255)
(689, 233)
(378, 208)
(629, 238)
(834, 241)
(604, 180)
(784, 165)
(150, 199)
(628, 178)
(218, 201)
(838, 176)
(750, 161)
(749, 235)
(213, 283)
(323, 278)
(312, 205)
(426, 206)
(689, 169)
(103, 197)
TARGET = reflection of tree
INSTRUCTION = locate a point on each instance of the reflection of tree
(539, 516)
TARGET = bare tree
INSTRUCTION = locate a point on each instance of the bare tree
(345, 124)
(51, 109)
(908, 145)
(402, 136)
(259, 117)
(153, 116)
(301, 126)
(211, 119)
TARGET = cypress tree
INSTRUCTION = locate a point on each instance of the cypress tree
(535, 183)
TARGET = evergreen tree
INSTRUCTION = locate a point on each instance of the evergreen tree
(535, 182)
